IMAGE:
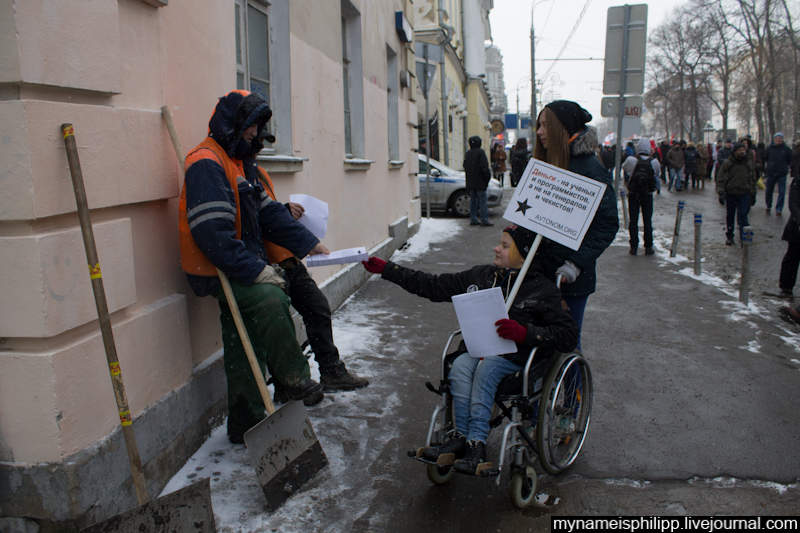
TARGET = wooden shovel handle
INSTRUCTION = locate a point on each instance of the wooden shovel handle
(96, 277)
(245, 338)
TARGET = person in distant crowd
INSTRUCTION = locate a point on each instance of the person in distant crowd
(537, 319)
(761, 160)
(702, 164)
(476, 168)
(791, 232)
(629, 150)
(676, 160)
(724, 153)
(564, 140)
(664, 148)
(643, 171)
(690, 166)
(736, 187)
(519, 160)
(777, 162)
(655, 150)
(224, 214)
(607, 156)
(499, 162)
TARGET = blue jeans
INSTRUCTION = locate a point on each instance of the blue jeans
(478, 206)
(675, 178)
(473, 384)
(771, 181)
(737, 204)
(577, 305)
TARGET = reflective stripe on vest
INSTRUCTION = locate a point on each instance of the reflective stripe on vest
(193, 261)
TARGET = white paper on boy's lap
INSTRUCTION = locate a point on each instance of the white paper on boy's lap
(315, 215)
(477, 312)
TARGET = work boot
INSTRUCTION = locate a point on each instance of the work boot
(309, 391)
(789, 315)
(445, 454)
(474, 459)
(340, 379)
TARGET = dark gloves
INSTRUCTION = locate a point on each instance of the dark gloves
(511, 329)
(374, 265)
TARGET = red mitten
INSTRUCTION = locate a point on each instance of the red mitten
(511, 329)
(374, 265)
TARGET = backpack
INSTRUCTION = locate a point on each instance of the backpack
(642, 179)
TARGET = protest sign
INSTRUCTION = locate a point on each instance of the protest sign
(555, 203)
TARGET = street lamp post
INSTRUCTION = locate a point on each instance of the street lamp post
(707, 131)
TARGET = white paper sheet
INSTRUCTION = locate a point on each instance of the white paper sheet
(477, 312)
(338, 257)
(315, 217)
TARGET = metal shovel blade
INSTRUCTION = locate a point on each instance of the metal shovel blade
(285, 452)
(187, 509)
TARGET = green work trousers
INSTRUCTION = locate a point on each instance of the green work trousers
(265, 311)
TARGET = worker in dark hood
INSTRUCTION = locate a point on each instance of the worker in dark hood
(476, 168)
(225, 215)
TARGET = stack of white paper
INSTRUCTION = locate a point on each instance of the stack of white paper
(338, 257)
(315, 216)
(477, 312)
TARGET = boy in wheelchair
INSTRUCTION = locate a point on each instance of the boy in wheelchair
(537, 319)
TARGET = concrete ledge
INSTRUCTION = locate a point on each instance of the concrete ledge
(65, 496)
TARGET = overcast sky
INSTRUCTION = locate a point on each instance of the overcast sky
(554, 20)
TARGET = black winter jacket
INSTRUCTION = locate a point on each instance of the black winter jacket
(602, 231)
(537, 305)
(779, 157)
(791, 232)
(476, 168)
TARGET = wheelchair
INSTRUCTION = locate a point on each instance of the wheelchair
(545, 408)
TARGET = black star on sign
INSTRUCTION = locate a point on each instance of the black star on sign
(523, 206)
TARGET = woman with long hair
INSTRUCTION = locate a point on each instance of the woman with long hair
(564, 140)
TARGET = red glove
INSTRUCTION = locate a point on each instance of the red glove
(374, 265)
(511, 329)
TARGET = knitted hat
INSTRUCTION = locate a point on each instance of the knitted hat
(778, 134)
(523, 238)
(572, 116)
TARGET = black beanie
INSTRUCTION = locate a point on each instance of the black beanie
(572, 116)
(523, 238)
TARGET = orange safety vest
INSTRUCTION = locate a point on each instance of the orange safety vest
(194, 261)
(275, 253)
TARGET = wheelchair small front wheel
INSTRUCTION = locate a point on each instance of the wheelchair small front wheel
(564, 412)
(439, 475)
(523, 486)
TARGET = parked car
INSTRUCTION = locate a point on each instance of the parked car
(448, 189)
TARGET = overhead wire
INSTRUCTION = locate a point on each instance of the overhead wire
(566, 42)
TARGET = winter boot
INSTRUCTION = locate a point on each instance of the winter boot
(649, 251)
(341, 379)
(474, 460)
(309, 391)
(729, 240)
(445, 454)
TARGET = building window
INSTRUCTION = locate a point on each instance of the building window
(352, 77)
(392, 97)
(262, 62)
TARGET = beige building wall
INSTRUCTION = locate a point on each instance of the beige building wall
(107, 67)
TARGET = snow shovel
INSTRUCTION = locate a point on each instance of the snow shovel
(283, 447)
(188, 509)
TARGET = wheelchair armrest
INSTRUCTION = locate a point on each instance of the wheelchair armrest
(528, 365)
(453, 336)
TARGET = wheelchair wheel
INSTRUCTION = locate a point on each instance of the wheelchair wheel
(564, 412)
(523, 486)
(440, 475)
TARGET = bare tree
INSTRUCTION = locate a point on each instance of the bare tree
(722, 57)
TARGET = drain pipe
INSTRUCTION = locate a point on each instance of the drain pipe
(443, 84)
